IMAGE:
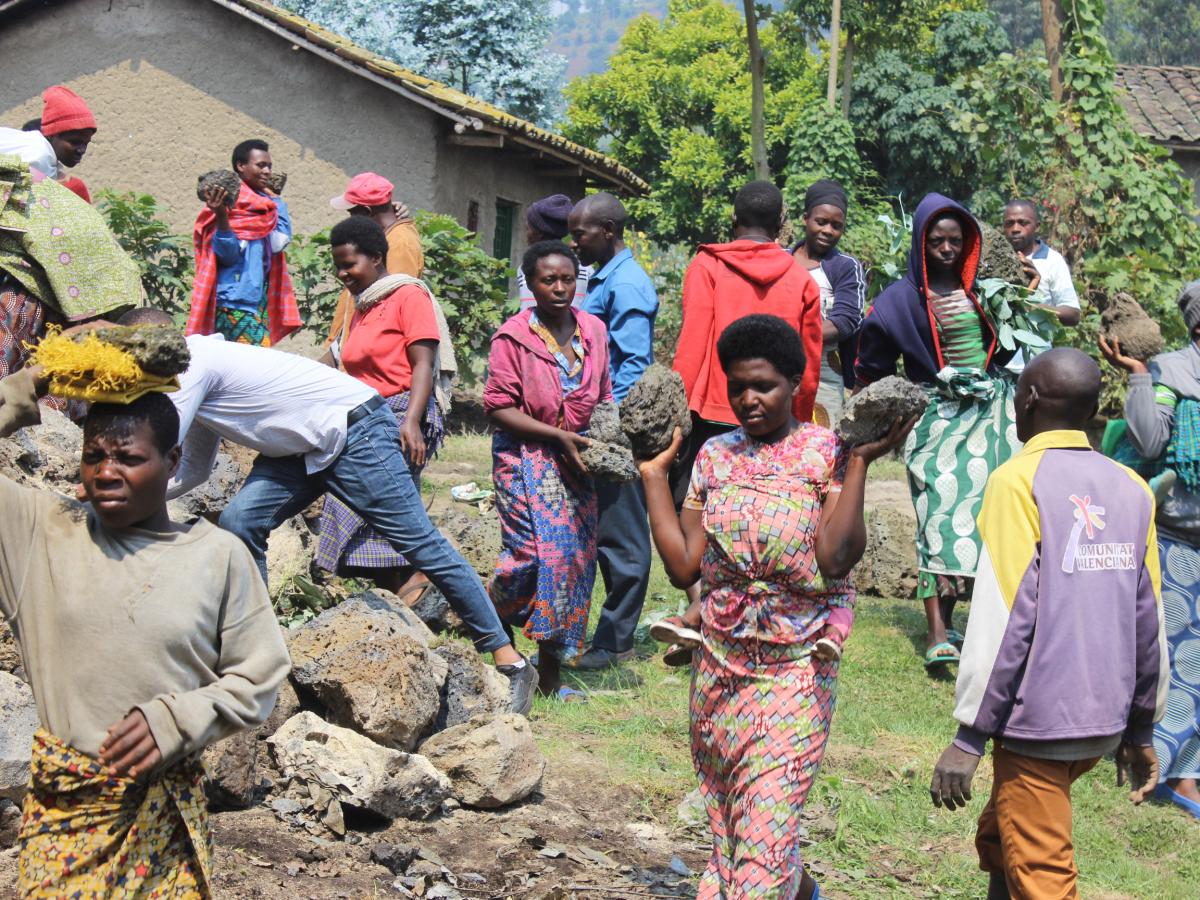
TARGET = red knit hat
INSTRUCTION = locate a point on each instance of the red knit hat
(64, 110)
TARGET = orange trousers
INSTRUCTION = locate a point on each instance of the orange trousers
(1025, 829)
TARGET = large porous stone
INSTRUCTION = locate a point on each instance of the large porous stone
(231, 778)
(653, 409)
(998, 259)
(609, 462)
(490, 762)
(1125, 321)
(605, 425)
(475, 534)
(10, 653)
(372, 670)
(871, 412)
(158, 349)
(219, 178)
(888, 567)
(472, 687)
(360, 772)
(210, 498)
(18, 722)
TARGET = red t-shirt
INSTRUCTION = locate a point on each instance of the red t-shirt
(376, 352)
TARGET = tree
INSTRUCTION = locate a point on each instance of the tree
(1154, 32)
(492, 49)
(674, 106)
(1052, 23)
(758, 141)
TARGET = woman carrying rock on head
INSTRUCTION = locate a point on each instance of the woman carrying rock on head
(771, 527)
(547, 372)
(933, 319)
(1162, 412)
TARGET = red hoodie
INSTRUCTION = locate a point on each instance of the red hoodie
(726, 282)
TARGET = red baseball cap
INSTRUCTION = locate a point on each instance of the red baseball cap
(364, 189)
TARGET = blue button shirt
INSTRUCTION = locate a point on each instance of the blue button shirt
(242, 265)
(622, 295)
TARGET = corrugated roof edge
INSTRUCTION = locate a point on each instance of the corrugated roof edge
(454, 102)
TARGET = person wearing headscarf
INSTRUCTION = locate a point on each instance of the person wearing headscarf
(1162, 415)
(843, 287)
(546, 220)
(933, 319)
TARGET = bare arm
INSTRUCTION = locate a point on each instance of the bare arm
(422, 357)
(680, 539)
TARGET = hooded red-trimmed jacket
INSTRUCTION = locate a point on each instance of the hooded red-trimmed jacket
(726, 282)
(900, 322)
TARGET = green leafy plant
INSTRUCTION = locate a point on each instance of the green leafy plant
(300, 600)
(1020, 324)
(471, 285)
(164, 259)
(317, 290)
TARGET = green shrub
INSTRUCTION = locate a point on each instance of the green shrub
(164, 259)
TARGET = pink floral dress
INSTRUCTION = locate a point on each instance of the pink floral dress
(761, 704)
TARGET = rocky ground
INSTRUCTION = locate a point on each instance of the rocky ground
(389, 767)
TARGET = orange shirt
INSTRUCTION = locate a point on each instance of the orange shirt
(376, 352)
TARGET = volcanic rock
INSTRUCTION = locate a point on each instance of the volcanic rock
(870, 413)
(360, 772)
(610, 462)
(10, 654)
(888, 567)
(220, 178)
(1125, 321)
(231, 772)
(18, 722)
(366, 667)
(490, 762)
(158, 349)
(998, 259)
(10, 823)
(472, 687)
(653, 409)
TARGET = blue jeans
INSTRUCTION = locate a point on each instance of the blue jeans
(372, 477)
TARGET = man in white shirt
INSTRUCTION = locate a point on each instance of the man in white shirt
(1055, 289)
(317, 429)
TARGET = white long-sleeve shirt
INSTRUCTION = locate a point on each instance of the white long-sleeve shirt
(276, 403)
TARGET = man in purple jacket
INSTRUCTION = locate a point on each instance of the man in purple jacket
(1065, 654)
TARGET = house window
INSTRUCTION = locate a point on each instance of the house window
(502, 243)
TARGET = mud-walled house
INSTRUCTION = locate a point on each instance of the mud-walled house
(176, 84)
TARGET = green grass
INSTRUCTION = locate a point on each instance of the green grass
(874, 831)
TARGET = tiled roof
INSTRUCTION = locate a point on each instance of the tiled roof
(469, 113)
(1163, 102)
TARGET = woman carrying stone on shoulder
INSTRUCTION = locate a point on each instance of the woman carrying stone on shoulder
(547, 371)
(771, 527)
(933, 319)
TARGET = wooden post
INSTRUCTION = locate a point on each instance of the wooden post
(835, 37)
(758, 139)
(1052, 21)
(848, 74)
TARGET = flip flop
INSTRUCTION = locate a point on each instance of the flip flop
(570, 695)
(954, 636)
(678, 655)
(936, 655)
(674, 630)
(1164, 792)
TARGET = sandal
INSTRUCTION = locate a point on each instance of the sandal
(941, 654)
(678, 655)
(674, 630)
(570, 695)
(955, 637)
(1165, 792)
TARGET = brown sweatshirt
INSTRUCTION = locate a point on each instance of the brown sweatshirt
(176, 624)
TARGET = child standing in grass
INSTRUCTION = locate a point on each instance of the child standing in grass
(772, 524)
(145, 641)
(1065, 654)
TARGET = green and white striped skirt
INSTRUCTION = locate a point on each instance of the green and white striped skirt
(968, 429)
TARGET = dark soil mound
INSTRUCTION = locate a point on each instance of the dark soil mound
(1124, 321)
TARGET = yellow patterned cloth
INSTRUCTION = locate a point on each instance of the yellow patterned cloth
(87, 835)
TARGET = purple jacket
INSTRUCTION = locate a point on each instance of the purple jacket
(1065, 639)
(523, 374)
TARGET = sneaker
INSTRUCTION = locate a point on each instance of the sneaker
(595, 658)
(522, 682)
